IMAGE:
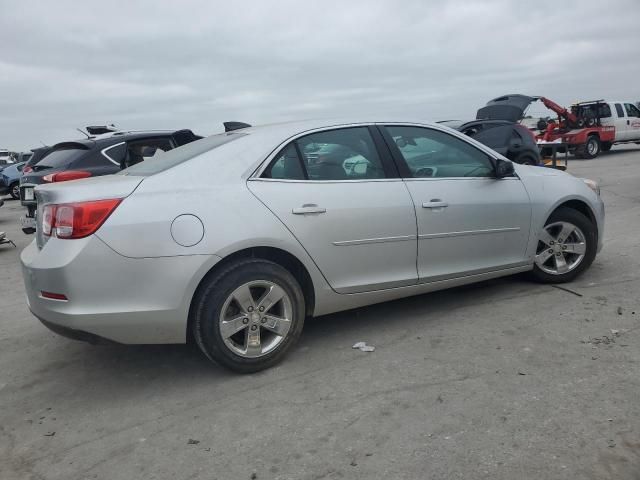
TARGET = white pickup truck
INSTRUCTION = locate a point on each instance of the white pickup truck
(625, 117)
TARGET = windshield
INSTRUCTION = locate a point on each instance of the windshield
(60, 158)
(169, 159)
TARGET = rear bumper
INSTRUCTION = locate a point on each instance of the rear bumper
(111, 297)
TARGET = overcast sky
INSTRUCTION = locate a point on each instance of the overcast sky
(157, 64)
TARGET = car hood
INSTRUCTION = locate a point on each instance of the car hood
(507, 107)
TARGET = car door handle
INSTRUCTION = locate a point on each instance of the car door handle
(308, 208)
(628, 122)
(435, 203)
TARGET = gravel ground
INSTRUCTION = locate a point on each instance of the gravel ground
(501, 380)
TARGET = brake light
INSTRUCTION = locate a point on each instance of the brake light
(53, 296)
(76, 220)
(66, 176)
(27, 169)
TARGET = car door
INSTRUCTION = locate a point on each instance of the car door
(633, 122)
(469, 222)
(621, 123)
(340, 195)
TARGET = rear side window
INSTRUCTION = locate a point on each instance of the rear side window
(182, 154)
(61, 158)
(286, 165)
(340, 154)
(619, 110)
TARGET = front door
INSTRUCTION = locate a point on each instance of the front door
(469, 222)
(633, 122)
(340, 196)
(621, 123)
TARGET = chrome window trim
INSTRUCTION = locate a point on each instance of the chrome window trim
(104, 152)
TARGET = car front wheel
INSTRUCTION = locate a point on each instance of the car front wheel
(566, 247)
(249, 315)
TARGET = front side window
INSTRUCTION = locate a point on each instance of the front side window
(432, 153)
(619, 110)
(632, 110)
(341, 154)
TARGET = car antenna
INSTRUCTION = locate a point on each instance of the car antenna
(43, 144)
(84, 133)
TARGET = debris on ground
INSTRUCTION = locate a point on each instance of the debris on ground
(191, 441)
(49, 434)
(611, 443)
(568, 290)
(363, 347)
(605, 339)
(619, 310)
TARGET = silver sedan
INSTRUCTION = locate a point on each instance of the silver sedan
(235, 239)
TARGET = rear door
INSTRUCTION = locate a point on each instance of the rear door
(468, 221)
(339, 194)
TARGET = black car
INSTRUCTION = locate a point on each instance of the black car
(496, 126)
(96, 155)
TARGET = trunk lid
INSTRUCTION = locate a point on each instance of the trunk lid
(94, 188)
(507, 107)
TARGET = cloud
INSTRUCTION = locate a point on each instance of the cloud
(195, 64)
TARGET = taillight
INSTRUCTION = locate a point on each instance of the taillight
(76, 220)
(27, 169)
(66, 176)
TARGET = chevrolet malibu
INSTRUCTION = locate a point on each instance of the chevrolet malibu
(235, 239)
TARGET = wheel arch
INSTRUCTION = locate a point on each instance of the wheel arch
(580, 206)
(277, 255)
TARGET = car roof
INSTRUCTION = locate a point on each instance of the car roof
(284, 130)
(114, 137)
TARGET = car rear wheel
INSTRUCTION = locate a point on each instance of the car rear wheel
(249, 315)
(591, 149)
(566, 247)
(15, 191)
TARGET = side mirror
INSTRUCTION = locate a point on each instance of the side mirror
(504, 168)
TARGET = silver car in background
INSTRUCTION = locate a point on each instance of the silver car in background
(235, 239)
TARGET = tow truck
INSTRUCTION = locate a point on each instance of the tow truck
(586, 128)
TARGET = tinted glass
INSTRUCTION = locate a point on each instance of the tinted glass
(343, 154)
(114, 155)
(182, 154)
(286, 165)
(431, 153)
(619, 110)
(632, 110)
(496, 137)
(61, 158)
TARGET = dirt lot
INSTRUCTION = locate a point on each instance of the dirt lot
(502, 380)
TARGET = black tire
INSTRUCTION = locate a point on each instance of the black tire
(526, 159)
(214, 292)
(570, 215)
(591, 149)
(606, 146)
(14, 190)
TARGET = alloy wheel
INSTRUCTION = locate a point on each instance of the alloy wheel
(255, 318)
(561, 248)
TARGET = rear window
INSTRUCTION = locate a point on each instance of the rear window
(174, 157)
(61, 158)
